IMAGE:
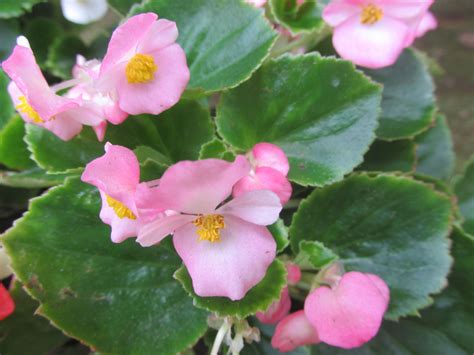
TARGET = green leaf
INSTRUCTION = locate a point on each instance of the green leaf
(224, 41)
(116, 298)
(6, 111)
(320, 111)
(390, 226)
(177, 134)
(216, 149)
(15, 8)
(24, 332)
(298, 18)
(32, 178)
(62, 55)
(152, 163)
(280, 234)
(123, 6)
(408, 104)
(257, 299)
(464, 189)
(314, 254)
(390, 156)
(435, 150)
(41, 33)
(14, 153)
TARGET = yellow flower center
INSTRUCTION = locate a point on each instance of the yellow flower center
(209, 227)
(371, 14)
(26, 108)
(140, 69)
(120, 209)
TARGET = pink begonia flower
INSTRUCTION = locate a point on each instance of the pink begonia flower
(144, 65)
(281, 308)
(117, 175)
(269, 170)
(7, 305)
(350, 312)
(373, 33)
(224, 245)
(293, 331)
(428, 23)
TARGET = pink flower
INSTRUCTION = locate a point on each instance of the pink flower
(269, 170)
(281, 308)
(428, 23)
(373, 33)
(144, 66)
(116, 174)
(293, 331)
(350, 312)
(7, 305)
(224, 245)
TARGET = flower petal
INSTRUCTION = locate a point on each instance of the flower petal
(230, 267)
(153, 232)
(294, 331)
(121, 228)
(271, 156)
(277, 309)
(259, 207)
(163, 33)
(7, 306)
(428, 23)
(83, 11)
(336, 12)
(350, 314)
(196, 187)
(404, 9)
(294, 273)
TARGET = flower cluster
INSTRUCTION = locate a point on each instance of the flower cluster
(143, 71)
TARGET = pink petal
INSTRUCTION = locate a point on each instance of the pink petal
(195, 187)
(259, 207)
(265, 179)
(338, 11)
(126, 38)
(277, 309)
(372, 46)
(230, 267)
(152, 233)
(64, 127)
(294, 273)
(7, 305)
(294, 331)
(122, 228)
(100, 130)
(404, 9)
(428, 23)
(164, 91)
(116, 173)
(271, 156)
(21, 67)
(163, 33)
(350, 314)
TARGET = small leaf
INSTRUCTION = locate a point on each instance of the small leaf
(32, 178)
(24, 332)
(320, 111)
(14, 153)
(393, 227)
(464, 188)
(216, 149)
(280, 233)
(62, 55)
(257, 299)
(224, 41)
(390, 156)
(306, 17)
(314, 254)
(435, 150)
(408, 104)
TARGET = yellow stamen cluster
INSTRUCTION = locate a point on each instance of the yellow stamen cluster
(371, 14)
(141, 69)
(120, 209)
(25, 107)
(209, 227)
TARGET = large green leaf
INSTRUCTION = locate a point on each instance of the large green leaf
(320, 111)
(390, 156)
(224, 41)
(390, 226)
(15, 8)
(435, 154)
(298, 18)
(62, 55)
(31, 178)
(24, 332)
(117, 298)
(257, 299)
(41, 33)
(408, 103)
(177, 133)
(6, 111)
(464, 188)
(444, 328)
(13, 151)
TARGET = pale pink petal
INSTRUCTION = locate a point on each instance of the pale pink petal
(294, 273)
(125, 39)
(122, 228)
(116, 173)
(154, 232)
(294, 331)
(21, 67)
(277, 309)
(114, 114)
(164, 91)
(350, 314)
(428, 23)
(265, 179)
(196, 187)
(404, 9)
(100, 130)
(336, 12)
(230, 267)
(64, 127)
(271, 156)
(163, 33)
(259, 207)
(372, 46)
